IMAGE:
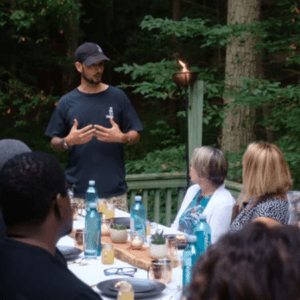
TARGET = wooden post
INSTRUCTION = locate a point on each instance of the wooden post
(195, 116)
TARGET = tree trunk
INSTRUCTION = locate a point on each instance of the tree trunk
(176, 16)
(241, 61)
(176, 10)
(71, 38)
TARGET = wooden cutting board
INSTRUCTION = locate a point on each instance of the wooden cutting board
(138, 258)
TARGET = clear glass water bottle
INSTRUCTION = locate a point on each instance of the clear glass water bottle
(203, 233)
(91, 194)
(138, 218)
(92, 235)
(189, 257)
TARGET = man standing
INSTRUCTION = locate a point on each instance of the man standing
(37, 213)
(94, 122)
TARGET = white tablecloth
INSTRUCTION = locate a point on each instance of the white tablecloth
(93, 273)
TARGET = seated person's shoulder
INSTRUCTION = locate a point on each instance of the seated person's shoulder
(35, 268)
(274, 208)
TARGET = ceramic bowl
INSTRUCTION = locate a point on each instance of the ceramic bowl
(158, 251)
(118, 236)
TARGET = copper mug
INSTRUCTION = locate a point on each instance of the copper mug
(161, 270)
(172, 246)
(79, 238)
(74, 206)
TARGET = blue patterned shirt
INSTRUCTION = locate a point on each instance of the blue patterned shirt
(191, 215)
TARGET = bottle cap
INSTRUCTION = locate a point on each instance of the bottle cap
(93, 205)
(92, 182)
(138, 198)
(191, 238)
(202, 217)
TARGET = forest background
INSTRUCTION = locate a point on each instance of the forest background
(246, 51)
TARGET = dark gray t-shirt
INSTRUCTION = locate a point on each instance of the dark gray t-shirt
(274, 208)
(99, 161)
(30, 272)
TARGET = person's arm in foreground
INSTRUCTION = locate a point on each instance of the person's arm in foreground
(268, 221)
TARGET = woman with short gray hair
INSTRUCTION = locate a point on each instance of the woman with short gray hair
(208, 195)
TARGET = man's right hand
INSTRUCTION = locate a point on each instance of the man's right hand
(79, 136)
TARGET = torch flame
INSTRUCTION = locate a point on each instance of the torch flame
(184, 68)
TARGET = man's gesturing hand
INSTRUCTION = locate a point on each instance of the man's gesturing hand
(110, 135)
(79, 136)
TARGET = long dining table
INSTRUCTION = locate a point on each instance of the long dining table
(93, 272)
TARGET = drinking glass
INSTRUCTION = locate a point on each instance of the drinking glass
(107, 254)
(90, 244)
(74, 206)
(175, 285)
(101, 206)
(161, 270)
(136, 241)
(172, 246)
(148, 228)
(79, 238)
(110, 211)
(125, 292)
(71, 194)
(105, 227)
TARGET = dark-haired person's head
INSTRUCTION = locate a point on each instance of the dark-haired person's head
(8, 149)
(257, 262)
(32, 189)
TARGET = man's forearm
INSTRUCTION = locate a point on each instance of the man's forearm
(131, 137)
(57, 144)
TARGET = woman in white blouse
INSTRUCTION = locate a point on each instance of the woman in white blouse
(208, 195)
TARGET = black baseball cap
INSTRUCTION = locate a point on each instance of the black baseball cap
(89, 53)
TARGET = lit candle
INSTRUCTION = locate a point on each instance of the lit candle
(136, 242)
(105, 229)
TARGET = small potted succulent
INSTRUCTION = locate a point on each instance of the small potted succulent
(118, 234)
(158, 246)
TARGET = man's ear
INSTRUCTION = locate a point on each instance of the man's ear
(78, 66)
(57, 206)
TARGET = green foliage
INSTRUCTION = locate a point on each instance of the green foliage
(158, 238)
(277, 38)
(283, 120)
(23, 102)
(159, 161)
(34, 15)
(157, 78)
(157, 84)
(235, 168)
(119, 227)
(272, 30)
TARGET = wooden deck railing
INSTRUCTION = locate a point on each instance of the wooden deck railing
(144, 183)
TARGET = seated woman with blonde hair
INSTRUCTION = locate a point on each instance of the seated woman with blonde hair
(266, 179)
(208, 195)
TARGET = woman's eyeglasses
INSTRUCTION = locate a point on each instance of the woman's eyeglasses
(121, 271)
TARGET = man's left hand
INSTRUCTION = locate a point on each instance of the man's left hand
(109, 135)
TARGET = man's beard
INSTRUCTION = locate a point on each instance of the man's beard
(90, 80)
